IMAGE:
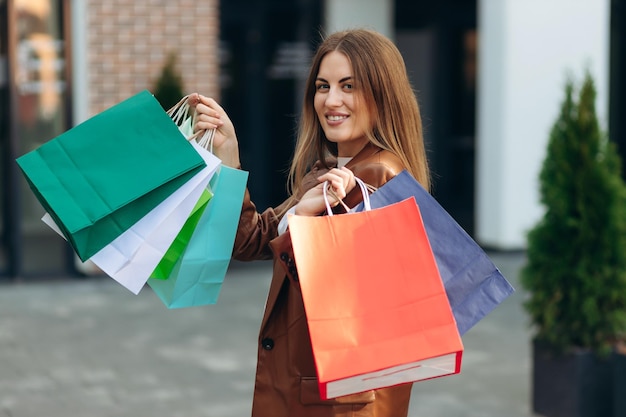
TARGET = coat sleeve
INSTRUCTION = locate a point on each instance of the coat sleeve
(254, 232)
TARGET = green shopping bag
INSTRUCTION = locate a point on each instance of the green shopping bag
(99, 178)
(176, 249)
(199, 273)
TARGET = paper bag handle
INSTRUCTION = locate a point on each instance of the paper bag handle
(366, 196)
(179, 113)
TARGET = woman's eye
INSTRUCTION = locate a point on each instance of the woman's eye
(348, 87)
(322, 87)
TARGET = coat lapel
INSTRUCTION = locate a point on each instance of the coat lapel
(280, 246)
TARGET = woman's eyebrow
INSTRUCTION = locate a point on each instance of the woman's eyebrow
(344, 79)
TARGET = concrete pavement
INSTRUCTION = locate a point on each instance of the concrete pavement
(91, 348)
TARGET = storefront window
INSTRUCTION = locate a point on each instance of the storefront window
(4, 139)
(40, 94)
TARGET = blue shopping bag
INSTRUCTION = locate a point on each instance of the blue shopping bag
(475, 286)
(197, 276)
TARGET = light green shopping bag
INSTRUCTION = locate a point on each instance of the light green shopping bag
(176, 249)
(199, 273)
(99, 178)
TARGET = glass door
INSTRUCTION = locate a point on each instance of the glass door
(39, 106)
(439, 42)
(5, 234)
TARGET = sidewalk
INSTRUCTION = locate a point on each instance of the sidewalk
(90, 348)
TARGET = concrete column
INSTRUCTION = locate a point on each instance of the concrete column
(80, 83)
(527, 49)
(368, 14)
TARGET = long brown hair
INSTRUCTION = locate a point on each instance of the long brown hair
(380, 73)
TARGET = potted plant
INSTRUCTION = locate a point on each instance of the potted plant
(575, 273)
(168, 89)
(619, 381)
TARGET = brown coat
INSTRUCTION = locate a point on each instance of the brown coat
(286, 383)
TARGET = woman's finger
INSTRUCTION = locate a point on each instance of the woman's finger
(340, 178)
(350, 181)
(207, 117)
(211, 103)
(193, 99)
(339, 187)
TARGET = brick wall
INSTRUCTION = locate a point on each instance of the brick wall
(129, 42)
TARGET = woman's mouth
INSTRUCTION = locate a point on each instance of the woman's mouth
(335, 118)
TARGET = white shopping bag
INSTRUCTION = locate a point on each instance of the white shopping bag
(131, 258)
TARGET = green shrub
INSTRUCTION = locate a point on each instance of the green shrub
(168, 89)
(576, 269)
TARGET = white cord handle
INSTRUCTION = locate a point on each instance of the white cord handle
(206, 140)
(179, 113)
(366, 196)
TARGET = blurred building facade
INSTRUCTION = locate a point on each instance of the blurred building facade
(63, 61)
(488, 75)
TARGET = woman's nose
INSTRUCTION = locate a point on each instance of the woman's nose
(334, 97)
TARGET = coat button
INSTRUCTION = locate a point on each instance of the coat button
(267, 343)
(294, 272)
(284, 256)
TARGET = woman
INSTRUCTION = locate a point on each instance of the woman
(360, 118)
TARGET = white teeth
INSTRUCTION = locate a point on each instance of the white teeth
(335, 118)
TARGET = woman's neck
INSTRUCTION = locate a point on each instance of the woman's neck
(351, 148)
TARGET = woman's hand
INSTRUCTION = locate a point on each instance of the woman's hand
(210, 115)
(340, 181)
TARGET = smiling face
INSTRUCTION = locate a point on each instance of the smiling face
(339, 105)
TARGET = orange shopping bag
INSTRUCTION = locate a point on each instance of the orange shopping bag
(376, 307)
